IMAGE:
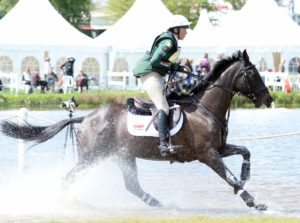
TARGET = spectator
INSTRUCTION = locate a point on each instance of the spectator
(82, 81)
(51, 80)
(37, 81)
(26, 79)
(67, 66)
(47, 67)
(203, 67)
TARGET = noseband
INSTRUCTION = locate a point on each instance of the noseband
(246, 82)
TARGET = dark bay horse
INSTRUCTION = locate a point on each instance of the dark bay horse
(103, 133)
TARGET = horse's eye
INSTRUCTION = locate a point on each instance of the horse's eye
(251, 74)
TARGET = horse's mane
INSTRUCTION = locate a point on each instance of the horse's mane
(221, 65)
(217, 69)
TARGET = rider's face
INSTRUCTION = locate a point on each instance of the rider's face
(182, 33)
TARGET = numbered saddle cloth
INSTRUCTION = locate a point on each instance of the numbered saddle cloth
(141, 121)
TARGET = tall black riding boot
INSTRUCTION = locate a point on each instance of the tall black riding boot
(163, 130)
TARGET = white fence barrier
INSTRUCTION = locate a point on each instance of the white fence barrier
(122, 80)
(277, 81)
(10, 80)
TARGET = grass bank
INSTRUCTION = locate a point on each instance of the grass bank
(50, 101)
(38, 101)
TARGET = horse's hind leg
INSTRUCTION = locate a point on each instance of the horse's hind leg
(214, 160)
(72, 174)
(129, 171)
(230, 150)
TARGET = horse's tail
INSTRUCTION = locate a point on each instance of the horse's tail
(39, 134)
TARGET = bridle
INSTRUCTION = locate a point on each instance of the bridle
(251, 95)
(246, 77)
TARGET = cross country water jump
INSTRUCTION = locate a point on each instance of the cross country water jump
(200, 132)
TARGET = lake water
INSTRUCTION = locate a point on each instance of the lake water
(272, 136)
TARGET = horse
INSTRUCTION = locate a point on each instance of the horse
(203, 134)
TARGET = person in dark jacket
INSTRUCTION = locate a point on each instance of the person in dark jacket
(154, 66)
(67, 66)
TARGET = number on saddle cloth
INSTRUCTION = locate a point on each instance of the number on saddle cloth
(141, 121)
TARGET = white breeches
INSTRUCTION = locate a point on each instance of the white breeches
(153, 84)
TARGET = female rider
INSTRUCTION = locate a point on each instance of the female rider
(154, 66)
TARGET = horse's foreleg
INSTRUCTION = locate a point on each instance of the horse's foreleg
(230, 150)
(214, 160)
(129, 171)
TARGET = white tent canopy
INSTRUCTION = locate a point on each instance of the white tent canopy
(137, 29)
(33, 30)
(201, 40)
(254, 27)
(36, 22)
(203, 34)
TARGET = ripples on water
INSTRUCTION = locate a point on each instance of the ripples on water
(183, 189)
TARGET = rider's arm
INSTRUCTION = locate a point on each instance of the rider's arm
(160, 57)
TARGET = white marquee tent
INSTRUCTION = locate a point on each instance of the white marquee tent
(36, 22)
(33, 28)
(203, 35)
(133, 34)
(137, 29)
(261, 24)
(264, 29)
(202, 39)
(261, 27)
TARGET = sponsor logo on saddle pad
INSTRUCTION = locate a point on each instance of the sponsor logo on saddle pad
(142, 125)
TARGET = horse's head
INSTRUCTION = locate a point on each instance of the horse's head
(251, 84)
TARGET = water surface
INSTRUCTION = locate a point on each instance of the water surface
(183, 189)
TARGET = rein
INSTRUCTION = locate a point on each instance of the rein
(223, 125)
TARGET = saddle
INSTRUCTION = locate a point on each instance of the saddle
(141, 117)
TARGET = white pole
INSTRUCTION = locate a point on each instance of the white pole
(22, 119)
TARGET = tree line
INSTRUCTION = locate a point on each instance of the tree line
(78, 12)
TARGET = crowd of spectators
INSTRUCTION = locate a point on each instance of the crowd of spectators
(49, 81)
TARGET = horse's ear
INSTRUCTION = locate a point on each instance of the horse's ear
(245, 55)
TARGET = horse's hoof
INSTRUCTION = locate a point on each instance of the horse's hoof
(261, 207)
(155, 203)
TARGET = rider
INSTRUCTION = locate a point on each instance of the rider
(154, 66)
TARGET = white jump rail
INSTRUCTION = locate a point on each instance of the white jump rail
(275, 81)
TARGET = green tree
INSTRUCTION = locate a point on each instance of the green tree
(6, 5)
(117, 8)
(74, 11)
(236, 4)
(188, 8)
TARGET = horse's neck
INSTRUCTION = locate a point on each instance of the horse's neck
(218, 100)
